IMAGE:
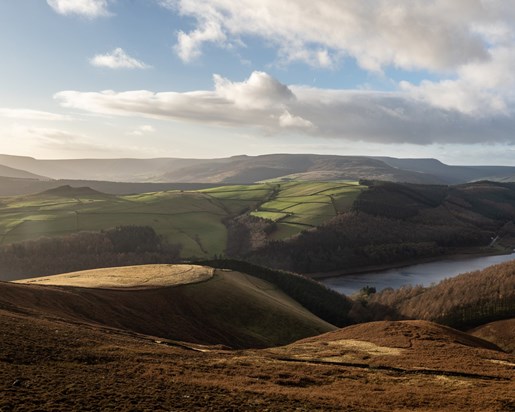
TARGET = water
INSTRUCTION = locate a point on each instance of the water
(421, 274)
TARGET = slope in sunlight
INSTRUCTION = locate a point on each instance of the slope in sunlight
(185, 302)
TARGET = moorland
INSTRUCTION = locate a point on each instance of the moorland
(200, 294)
(202, 338)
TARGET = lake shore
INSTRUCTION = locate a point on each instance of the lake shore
(457, 254)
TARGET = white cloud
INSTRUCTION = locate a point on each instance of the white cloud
(28, 114)
(117, 59)
(189, 44)
(468, 44)
(264, 103)
(143, 129)
(287, 120)
(86, 8)
(480, 89)
(410, 34)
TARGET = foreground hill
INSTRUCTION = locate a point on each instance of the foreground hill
(501, 332)
(52, 364)
(251, 169)
(180, 302)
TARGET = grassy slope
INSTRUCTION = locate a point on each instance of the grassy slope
(195, 219)
(296, 206)
(190, 218)
(501, 333)
(231, 308)
(128, 277)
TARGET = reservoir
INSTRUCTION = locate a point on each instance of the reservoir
(420, 274)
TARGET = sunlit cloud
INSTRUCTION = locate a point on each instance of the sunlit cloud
(85, 8)
(143, 130)
(263, 103)
(117, 59)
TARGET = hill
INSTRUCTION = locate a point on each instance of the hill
(391, 222)
(50, 364)
(10, 172)
(306, 227)
(501, 333)
(452, 174)
(463, 302)
(188, 303)
(22, 187)
(198, 220)
(252, 169)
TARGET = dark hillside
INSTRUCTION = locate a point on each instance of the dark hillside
(323, 302)
(463, 302)
(393, 222)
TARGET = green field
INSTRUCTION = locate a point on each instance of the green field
(296, 206)
(195, 219)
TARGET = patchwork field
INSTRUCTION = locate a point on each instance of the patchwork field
(296, 206)
(194, 219)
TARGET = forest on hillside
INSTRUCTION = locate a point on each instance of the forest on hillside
(120, 246)
(463, 302)
(388, 223)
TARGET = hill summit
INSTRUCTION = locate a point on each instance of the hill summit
(70, 191)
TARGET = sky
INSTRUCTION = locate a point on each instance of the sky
(217, 78)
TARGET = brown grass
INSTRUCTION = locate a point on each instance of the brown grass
(228, 308)
(128, 277)
(501, 333)
(53, 365)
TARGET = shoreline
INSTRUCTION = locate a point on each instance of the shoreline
(455, 255)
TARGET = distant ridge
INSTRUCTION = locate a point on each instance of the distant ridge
(250, 169)
(6, 171)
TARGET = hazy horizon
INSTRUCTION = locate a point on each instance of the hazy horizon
(194, 79)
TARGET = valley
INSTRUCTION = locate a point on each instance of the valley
(108, 299)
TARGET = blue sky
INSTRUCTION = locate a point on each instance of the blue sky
(190, 78)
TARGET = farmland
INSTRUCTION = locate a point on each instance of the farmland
(298, 205)
(193, 219)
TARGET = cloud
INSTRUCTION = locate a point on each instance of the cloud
(117, 59)
(287, 120)
(433, 35)
(264, 103)
(480, 89)
(28, 114)
(189, 44)
(468, 46)
(142, 130)
(85, 8)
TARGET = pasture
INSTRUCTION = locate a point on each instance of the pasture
(194, 219)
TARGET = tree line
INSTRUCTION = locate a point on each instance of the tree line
(120, 246)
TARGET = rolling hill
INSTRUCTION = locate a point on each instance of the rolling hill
(501, 333)
(10, 172)
(179, 302)
(195, 219)
(305, 227)
(251, 169)
(47, 363)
